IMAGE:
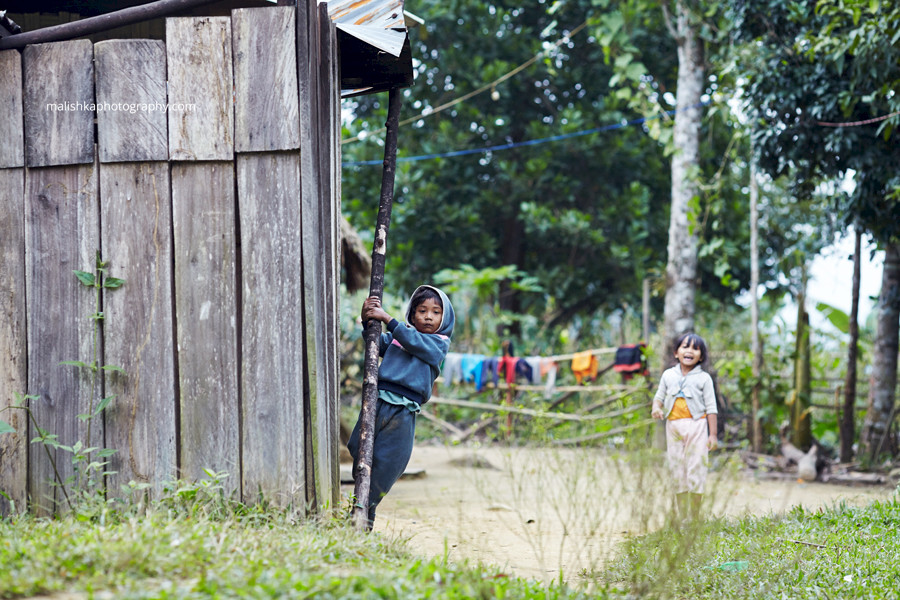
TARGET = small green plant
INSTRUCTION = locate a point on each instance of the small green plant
(98, 280)
(88, 461)
(46, 439)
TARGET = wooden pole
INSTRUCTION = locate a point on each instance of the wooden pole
(363, 475)
(756, 345)
(84, 27)
(509, 402)
(645, 310)
(848, 419)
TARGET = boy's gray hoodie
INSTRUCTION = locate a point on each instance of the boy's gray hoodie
(411, 359)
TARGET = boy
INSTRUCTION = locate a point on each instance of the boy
(411, 358)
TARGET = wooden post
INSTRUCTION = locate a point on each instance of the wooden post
(847, 421)
(645, 310)
(363, 475)
(756, 346)
(509, 402)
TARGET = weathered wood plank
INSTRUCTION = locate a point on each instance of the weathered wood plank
(265, 79)
(141, 421)
(131, 100)
(307, 60)
(12, 136)
(206, 316)
(272, 332)
(61, 235)
(330, 88)
(13, 446)
(59, 103)
(199, 54)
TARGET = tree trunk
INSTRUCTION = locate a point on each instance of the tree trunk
(756, 348)
(801, 434)
(511, 253)
(880, 408)
(681, 267)
(847, 425)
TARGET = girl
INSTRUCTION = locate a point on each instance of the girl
(686, 398)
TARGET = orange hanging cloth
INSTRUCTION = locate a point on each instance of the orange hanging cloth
(584, 366)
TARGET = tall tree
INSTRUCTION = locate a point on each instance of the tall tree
(880, 409)
(755, 345)
(681, 264)
(821, 83)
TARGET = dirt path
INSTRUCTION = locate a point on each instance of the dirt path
(544, 514)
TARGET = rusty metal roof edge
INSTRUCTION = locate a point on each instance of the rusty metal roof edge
(386, 14)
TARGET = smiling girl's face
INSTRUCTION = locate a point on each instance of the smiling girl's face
(688, 355)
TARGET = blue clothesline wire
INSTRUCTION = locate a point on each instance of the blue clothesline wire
(555, 138)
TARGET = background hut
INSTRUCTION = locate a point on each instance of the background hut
(197, 158)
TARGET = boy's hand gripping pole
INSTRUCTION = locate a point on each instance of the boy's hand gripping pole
(363, 474)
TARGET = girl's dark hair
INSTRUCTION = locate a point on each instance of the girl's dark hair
(426, 293)
(693, 340)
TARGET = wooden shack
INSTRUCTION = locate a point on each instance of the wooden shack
(203, 169)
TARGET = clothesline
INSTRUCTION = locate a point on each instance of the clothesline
(536, 413)
(537, 370)
(524, 387)
(595, 352)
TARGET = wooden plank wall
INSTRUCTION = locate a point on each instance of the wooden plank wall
(206, 252)
(62, 234)
(13, 450)
(321, 200)
(268, 177)
(222, 220)
(136, 240)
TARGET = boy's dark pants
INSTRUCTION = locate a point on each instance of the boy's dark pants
(395, 431)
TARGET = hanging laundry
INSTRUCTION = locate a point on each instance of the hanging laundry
(630, 361)
(523, 369)
(489, 372)
(584, 366)
(471, 367)
(452, 368)
(548, 370)
(507, 366)
(535, 363)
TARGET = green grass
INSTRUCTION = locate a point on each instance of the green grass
(840, 552)
(212, 549)
(161, 555)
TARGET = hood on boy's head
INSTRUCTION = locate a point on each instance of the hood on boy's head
(448, 318)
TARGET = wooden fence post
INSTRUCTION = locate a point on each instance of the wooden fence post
(363, 475)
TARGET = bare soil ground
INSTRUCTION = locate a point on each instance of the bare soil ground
(557, 514)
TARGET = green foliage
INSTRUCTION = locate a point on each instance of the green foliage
(577, 215)
(833, 553)
(165, 554)
(805, 69)
(587, 216)
(476, 294)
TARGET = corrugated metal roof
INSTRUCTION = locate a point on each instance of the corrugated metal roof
(386, 14)
(377, 22)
